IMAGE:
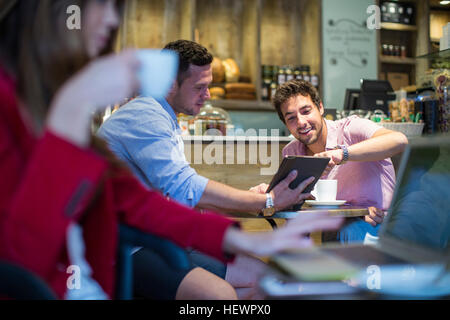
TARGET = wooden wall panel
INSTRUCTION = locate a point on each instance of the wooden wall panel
(280, 32)
(253, 32)
(310, 32)
(228, 28)
(153, 23)
(423, 38)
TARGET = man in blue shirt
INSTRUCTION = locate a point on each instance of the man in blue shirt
(146, 135)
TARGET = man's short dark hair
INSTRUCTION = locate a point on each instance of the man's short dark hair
(294, 88)
(189, 52)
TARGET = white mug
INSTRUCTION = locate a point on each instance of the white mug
(325, 190)
(157, 72)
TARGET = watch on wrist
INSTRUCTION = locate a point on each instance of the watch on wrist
(269, 209)
(344, 151)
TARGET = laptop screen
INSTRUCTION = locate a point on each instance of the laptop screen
(420, 209)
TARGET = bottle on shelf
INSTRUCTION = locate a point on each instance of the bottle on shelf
(266, 81)
(281, 76)
(289, 73)
(274, 83)
(315, 81)
(391, 49)
(385, 50)
(298, 73)
(403, 51)
(397, 51)
(306, 74)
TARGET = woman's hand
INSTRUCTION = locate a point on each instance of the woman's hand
(284, 197)
(103, 82)
(291, 236)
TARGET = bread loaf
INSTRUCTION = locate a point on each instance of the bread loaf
(231, 70)
(217, 93)
(240, 96)
(240, 88)
(218, 70)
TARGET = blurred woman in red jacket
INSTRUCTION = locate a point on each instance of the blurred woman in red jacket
(60, 186)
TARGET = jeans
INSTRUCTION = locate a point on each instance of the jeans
(354, 231)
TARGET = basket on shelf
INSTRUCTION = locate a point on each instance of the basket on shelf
(410, 129)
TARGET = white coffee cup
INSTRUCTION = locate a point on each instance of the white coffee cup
(157, 72)
(325, 190)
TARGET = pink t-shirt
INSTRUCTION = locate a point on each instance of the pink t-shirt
(360, 183)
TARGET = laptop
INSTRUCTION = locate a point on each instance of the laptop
(415, 230)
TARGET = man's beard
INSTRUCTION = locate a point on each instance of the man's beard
(314, 138)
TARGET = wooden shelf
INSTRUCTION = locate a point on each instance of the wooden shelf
(443, 54)
(253, 105)
(397, 60)
(397, 26)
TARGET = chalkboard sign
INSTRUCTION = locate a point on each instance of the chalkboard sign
(349, 48)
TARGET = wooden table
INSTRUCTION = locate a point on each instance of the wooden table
(346, 211)
(340, 211)
(254, 223)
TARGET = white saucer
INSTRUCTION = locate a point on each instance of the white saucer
(325, 203)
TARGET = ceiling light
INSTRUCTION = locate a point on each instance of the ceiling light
(444, 2)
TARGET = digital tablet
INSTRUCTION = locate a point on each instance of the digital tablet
(306, 167)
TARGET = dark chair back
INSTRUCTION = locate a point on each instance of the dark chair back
(18, 283)
(129, 239)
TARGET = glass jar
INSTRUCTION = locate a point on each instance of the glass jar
(211, 117)
(184, 123)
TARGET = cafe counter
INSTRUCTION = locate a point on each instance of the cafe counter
(239, 161)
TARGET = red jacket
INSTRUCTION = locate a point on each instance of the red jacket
(48, 183)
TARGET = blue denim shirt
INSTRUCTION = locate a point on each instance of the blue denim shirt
(145, 134)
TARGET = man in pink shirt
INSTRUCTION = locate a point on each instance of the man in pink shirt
(359, 149)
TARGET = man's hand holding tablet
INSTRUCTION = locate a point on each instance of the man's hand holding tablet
(288, 187)
(284, 196)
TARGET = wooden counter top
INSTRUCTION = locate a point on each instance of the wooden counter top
(237, 139)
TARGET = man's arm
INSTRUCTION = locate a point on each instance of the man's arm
(218, 196)
(383, 144)
(224, 198)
